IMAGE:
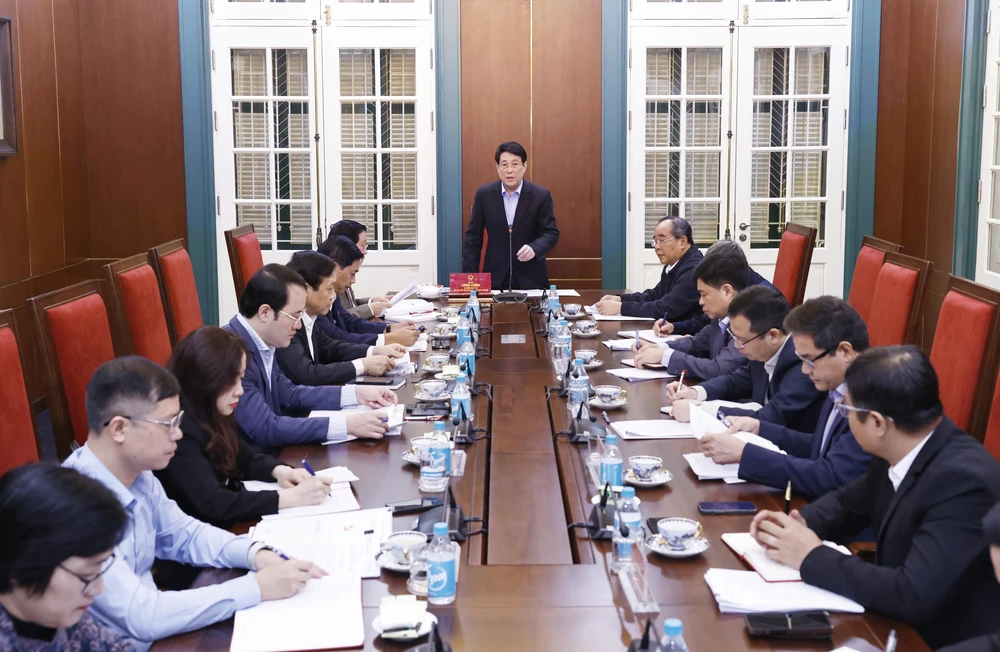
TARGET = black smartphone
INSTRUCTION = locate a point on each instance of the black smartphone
(413, 506)
(436, 409)
(727, 508)
(803, 624)
(391, 383)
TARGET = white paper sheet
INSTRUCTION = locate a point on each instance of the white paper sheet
(653, 429)
(630, 362)
(634, 375)
(420, 346)
(325, 614)
(404, 293)
(648, 336)
(747, 592)
(341, 499)
(753, 553)
(618, 345)
(592, 310)
(337, 474)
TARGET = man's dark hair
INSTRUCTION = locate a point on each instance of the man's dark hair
(721, 269)
(49, 514)
(343, 252)
(730, 247)
(349, 228)
(312, 266)
(991, 525)
(128, 386)
(679, 228)
(269, 287)
(829, 321)
(898, 382)
(511, 148)
(764, 307)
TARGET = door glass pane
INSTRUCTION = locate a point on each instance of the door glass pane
(993, 253)
(372, 2)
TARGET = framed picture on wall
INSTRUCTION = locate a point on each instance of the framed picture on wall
(8, 117)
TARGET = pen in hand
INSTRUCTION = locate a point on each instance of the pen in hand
(305, 465)
(788, 497)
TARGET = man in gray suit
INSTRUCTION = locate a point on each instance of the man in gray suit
(710, 353)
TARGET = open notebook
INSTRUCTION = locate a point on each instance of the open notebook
(747, 548)
(747, 592)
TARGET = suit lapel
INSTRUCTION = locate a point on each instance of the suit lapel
(301, 333)
(930, 449)
(522, 204)
(820, 447)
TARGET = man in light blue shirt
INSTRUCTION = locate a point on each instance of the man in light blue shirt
(133, 417)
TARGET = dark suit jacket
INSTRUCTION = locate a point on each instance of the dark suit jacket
(696, 323)
(357, 307)
(932, 567)
(261, 413)
(534, 225)
(340, 325)
(988, 643)
(708, 354)
(675, 297)
(206, 495)
(790, 399)
(813, 472)
(332, 365)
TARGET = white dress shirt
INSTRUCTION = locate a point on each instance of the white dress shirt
(836, 395)
(898, 471)
(308, 323)
(510, 200)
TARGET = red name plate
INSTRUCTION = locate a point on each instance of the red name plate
(466, 283)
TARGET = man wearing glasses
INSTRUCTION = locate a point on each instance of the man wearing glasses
(828, 334)
(133, 418)
(519, 219)
(676, 296)
(925, 495)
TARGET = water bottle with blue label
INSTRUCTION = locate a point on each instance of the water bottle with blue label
(434, 462)
(627, 514)
(441, 567)
(463, 328)
(611, 462)
(474, 307)
(579, 387)
(552, 298)
(467, 358)
(460, 397)
(440, 434)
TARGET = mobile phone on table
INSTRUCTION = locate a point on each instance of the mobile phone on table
(802, 624)
(391, 383)
(435, 410)
(413, 506)
(727, 508)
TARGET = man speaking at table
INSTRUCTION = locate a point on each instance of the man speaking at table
(519, 219)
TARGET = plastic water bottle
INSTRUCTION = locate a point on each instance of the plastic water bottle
(628, 515)
(564, 339)
(474, 306)
(440, 434)
(434, 461)
(441, 563)
(579, 387)
(673, 639)
(467, 358)
(463, 328)
(460, 397)
(611, 462)
(552, 298)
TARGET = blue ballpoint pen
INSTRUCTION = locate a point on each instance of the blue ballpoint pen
(305, 465)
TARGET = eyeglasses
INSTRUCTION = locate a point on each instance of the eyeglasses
(812, 363)
(292, 317)
(843, 409)
(741, 343)
(515, 166)
(172, 424)
(660, 241)
(89, 581)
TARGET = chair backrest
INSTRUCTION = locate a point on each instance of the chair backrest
(244, 256)
(992, 437)
(791, 269)
(18, 432)
(866, 269)
(964, 352)
(75, 339)
(137, 308)
(899, 297)
(173, 270)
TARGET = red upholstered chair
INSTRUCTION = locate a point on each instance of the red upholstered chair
(791, 270)
(173, 270)
(866, 270)
(992, 438)
(898, 300)
(964, 351)
(244, 256)
(137, 308)
(75, 339)
(18, 433)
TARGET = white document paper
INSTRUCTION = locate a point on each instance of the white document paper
(744, 545)
(592, 310)
(618, 345)
(325, 614)
(747, 592)
(706, 469)
(704, 423)
(634, 375)
(630, 362)
(337, 474)
(341, 499)
(420, 346)
(648, 336)
(395, 414)
(404, 293)
(712, 407)
(568, 293)
(653, 429)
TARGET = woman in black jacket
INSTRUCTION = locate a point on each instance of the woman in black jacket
(212, 459)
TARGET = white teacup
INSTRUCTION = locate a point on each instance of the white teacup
(444, 329)
(572, 309)
(586, 325)
(403, 546)
(437, 360)
(608, 393)
(433, 387)
(451, 311)
(678, 532)
(644, 466)
(587, 355)
(420, 444)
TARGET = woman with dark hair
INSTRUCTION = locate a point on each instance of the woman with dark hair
(205, 474)
(59, 532)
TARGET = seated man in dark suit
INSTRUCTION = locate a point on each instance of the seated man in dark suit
(828, 335)
(268, 396)
(366, 308)
(711, 352)
(676, 294)
(989, 642)
(338, 323)
(313, 358)
(520, 210)
(664, 326)
(773, 377)
(924, 495)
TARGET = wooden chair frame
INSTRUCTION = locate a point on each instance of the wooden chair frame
(239, 278)
(155, 255)
(803, 276)
(62, 423)
(881, 245)
(118, 312)
(7, 321)
(923, 269)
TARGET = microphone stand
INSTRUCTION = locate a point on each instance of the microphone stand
(468, 436)
(544, 330)
(509, 296)
(648, 642)
(436, 644)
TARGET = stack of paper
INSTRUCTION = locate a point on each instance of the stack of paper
(634, 375)
(538, 294)
(712, 407)
(395, 414)
(747, 592)
(655, 429)
(746, 547)
(599, 317)
(325, 614)
(618, 345)
(706, 469)
(648, 336)
(630, 362)
(404, 293)
(415, 310)
(337, 474)
(341, 499)
(420, 346)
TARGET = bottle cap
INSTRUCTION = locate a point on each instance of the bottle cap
(611, 440)
(628, 492)
(472, 293)
(671, 626)
(577, 360)
(461, 378)
(439, 425)
(552, 287)
(441, 530)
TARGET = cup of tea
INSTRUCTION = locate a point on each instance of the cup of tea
(586, 325)
(420, 444)
(572, 309)
(451, 311)
(608, 393)
(403, 546)
(437, 360)
(678, 532)
(443, 329)
(433, 388)
(644, 466)
(587, 355)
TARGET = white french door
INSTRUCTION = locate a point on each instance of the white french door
(988, 230)
(743, 12)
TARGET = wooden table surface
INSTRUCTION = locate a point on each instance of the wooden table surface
(530, 583)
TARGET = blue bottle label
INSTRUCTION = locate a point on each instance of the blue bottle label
(441, 578)
(611, 473)
(468, 360)
(441, 458)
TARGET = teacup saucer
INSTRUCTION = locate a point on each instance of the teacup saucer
(446, 336)
(660, 547)
(421, 397)
(410, 458)
(430, 370)
(422, 630)
(621, 401)
(596, 364)
(444, 376)
(578, 315)
(576, 333)
(390, 563)
(659, 478)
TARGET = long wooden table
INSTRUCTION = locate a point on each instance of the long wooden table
(529, 583)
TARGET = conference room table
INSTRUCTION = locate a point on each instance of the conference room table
(528, 582)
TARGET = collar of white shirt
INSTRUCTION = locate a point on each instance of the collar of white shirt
(837, 395)
(85, 460)
(724, 323)
(308, 323)
(516, 193)
(898, 471)
(261, 346)
(772, 364)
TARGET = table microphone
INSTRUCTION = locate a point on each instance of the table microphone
(509, 295)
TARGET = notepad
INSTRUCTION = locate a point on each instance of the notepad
(337, 474)
(592, 310)
(420, 346)
(747, 592)
(341, 499)
(630, 362)
(618, 345)
(706, 469)
(395, 414)
(325, 614)
(653, 429)
(747, 548)
(636, 375)
(648, 336)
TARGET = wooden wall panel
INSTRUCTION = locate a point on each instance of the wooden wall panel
(15, 263)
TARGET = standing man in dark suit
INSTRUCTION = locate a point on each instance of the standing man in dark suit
(925, 496)
(773, 378)
(828, 334)
(521, 211)
(676, 295)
